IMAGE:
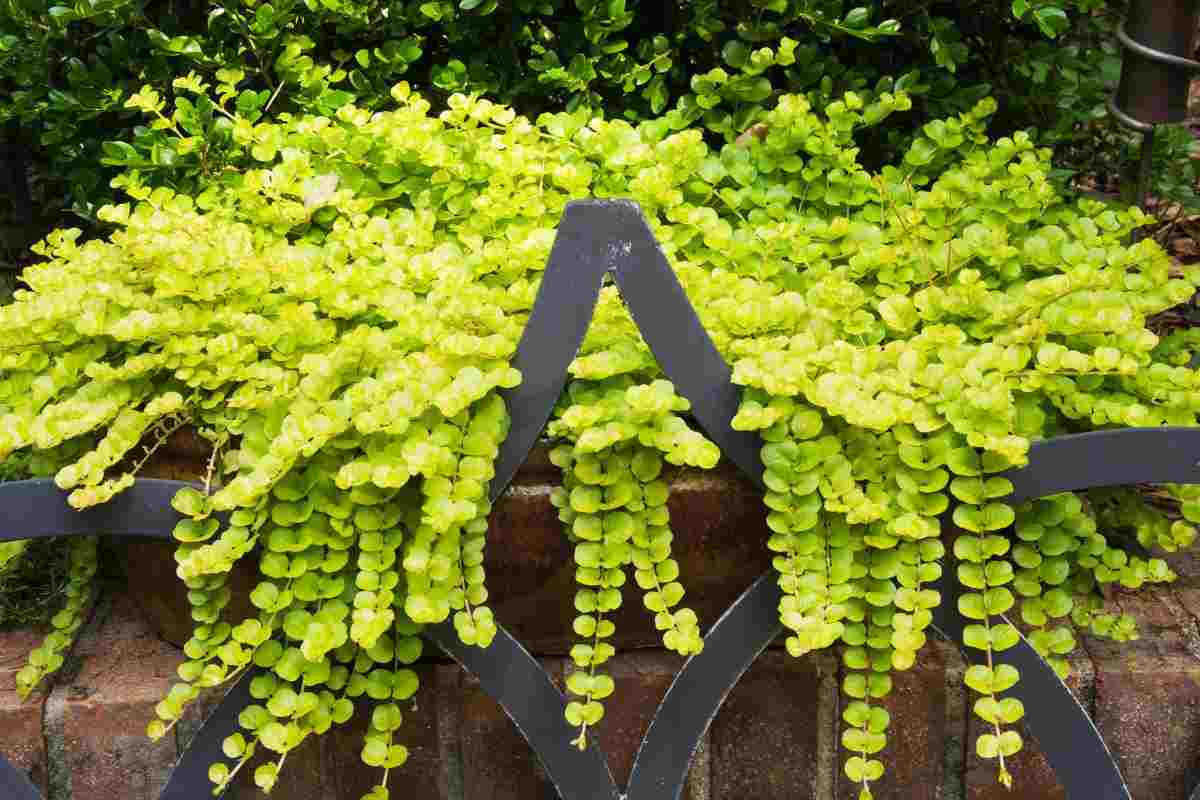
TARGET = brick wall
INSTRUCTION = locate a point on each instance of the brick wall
(776, 736)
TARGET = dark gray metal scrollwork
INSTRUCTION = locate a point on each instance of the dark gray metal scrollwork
(597, 237)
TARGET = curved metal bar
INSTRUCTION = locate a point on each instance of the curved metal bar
(506, 671)
(700, 689)
(680, 344)
(37, 509)
(1054, 717)
(189, 778)
(1126, 120)
(1108, 458)
(1151, 54)
(566, 300)
(515, 680)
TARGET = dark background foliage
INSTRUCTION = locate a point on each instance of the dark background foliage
(67, 72)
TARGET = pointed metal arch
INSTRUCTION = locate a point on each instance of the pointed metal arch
(597, 237)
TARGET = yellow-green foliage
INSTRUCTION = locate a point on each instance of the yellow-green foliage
(344, 313)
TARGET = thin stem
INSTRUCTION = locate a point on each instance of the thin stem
(249, 754)
(162, 431)
(212, 463)
(274, 95)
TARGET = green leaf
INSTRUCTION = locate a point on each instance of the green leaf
(274, 737)
(976, 637)
(921, 153)
(735, 53)
(193, 530)
(265, 596)
(987, 746)
(971, 606)
(972, 576)
(857, 17)
(386, 717)
(998, 601)
(1010, 710)
(1051, 20)
(1003, 637)
(375, 752)
(1009, 743)
(120, 154)
(979, 519)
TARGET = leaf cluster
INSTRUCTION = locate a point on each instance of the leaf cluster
(338, 317)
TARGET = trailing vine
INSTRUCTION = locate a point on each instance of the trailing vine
(339, 316)
(614, 502)
(48, 657)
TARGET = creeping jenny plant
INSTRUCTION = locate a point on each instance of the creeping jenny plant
(338, 316)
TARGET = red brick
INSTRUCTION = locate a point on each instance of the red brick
(1148, 698)
(770, 740)
(303, 776)
(719, 524)
(720, 533)
(330, 766)
(497, 762)
(719, 530)
(1033, 777)
(925, 724)
(421, 776)
(99, 714)
(641, 678)
(162, 597)
(21, 721)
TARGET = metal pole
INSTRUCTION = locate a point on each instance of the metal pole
(1157, 38)
(1146, 169)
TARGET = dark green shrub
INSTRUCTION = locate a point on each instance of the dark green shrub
(67, 72)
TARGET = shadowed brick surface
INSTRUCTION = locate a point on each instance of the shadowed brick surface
(497, 764)
(21, 721)
(767, 740)
(1148, 698)
(118, 673)
(923, 727)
